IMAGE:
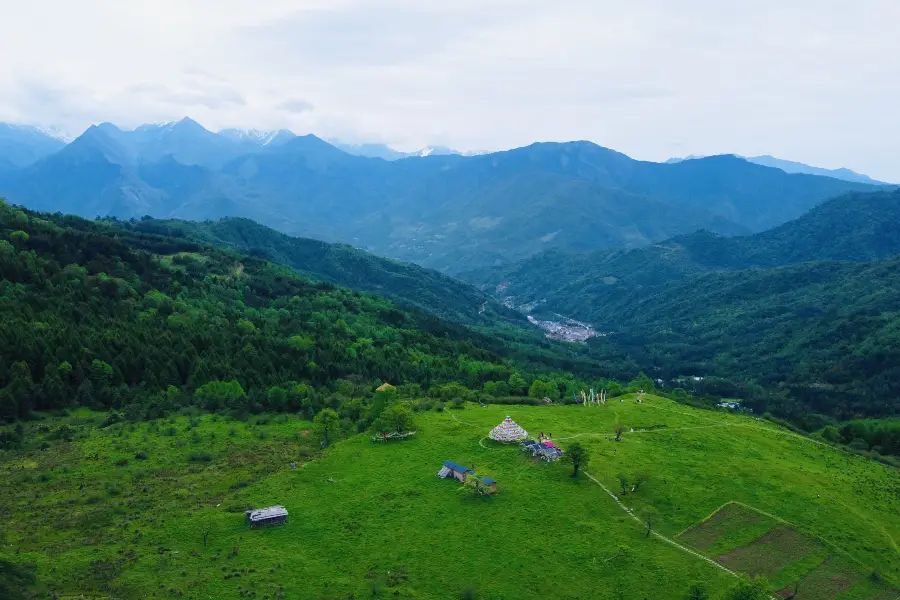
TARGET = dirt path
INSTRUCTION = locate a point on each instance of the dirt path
(668, 540)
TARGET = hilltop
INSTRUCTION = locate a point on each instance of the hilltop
(372, 518)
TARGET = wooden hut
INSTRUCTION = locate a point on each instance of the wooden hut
(489, 485)
(264, 517)
(458, 472)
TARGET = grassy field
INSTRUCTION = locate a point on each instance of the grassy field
(122, 511)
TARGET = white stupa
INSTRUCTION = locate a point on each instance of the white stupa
(508, 431)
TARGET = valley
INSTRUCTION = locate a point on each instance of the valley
(162, 375)
(473, 300)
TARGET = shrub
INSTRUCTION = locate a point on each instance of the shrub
(141, 455)
(203, 457)
(122, 462)
(859, 444)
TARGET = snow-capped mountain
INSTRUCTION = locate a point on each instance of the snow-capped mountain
(435, 151)
(257, 137)
(387, 153)
(22, 145)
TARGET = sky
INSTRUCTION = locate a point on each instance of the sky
(817, 81)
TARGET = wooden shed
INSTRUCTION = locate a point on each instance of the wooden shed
(490, 485)
(264, 517)
(458, 472)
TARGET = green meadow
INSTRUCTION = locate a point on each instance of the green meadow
(155, 509)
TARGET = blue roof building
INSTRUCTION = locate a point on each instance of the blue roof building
(458, 468)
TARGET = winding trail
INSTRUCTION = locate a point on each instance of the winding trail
(627, 510)
(668, 540)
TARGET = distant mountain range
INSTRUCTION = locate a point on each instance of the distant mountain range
(789, 166)
(445, 211)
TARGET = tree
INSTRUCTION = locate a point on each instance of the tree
(641, 382)
(328, 426)
(697, 591)
(517, 384)
(19, 238)
(640, 479)
(381, 401)
(623, 482)
(747, 589)
(650, 518)
(578, 456)
(543, 389)
(399, 418)
(619, 431)
(396, 418)
(831, 434)
(220, 394)
(496, 389)
(15, 400)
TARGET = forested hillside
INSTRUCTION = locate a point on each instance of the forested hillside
(826, 335)
(343, 265)
(105, 317)
(752, 310)
(854, 227)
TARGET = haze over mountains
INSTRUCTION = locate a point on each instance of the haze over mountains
(789, 166)
(444, 211)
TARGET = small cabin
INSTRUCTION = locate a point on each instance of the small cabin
(458, 472)
(264, 517)
(490, 485)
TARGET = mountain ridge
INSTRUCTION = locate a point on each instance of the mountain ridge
(791, 167)
(340, 264)
(448, 212)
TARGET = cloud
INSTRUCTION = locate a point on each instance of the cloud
(295, 106)
(815, 81)
(192, 97)
(368, 33)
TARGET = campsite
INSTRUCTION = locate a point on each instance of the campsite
(178, 515)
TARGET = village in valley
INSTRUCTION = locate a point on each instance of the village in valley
(566, 330)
